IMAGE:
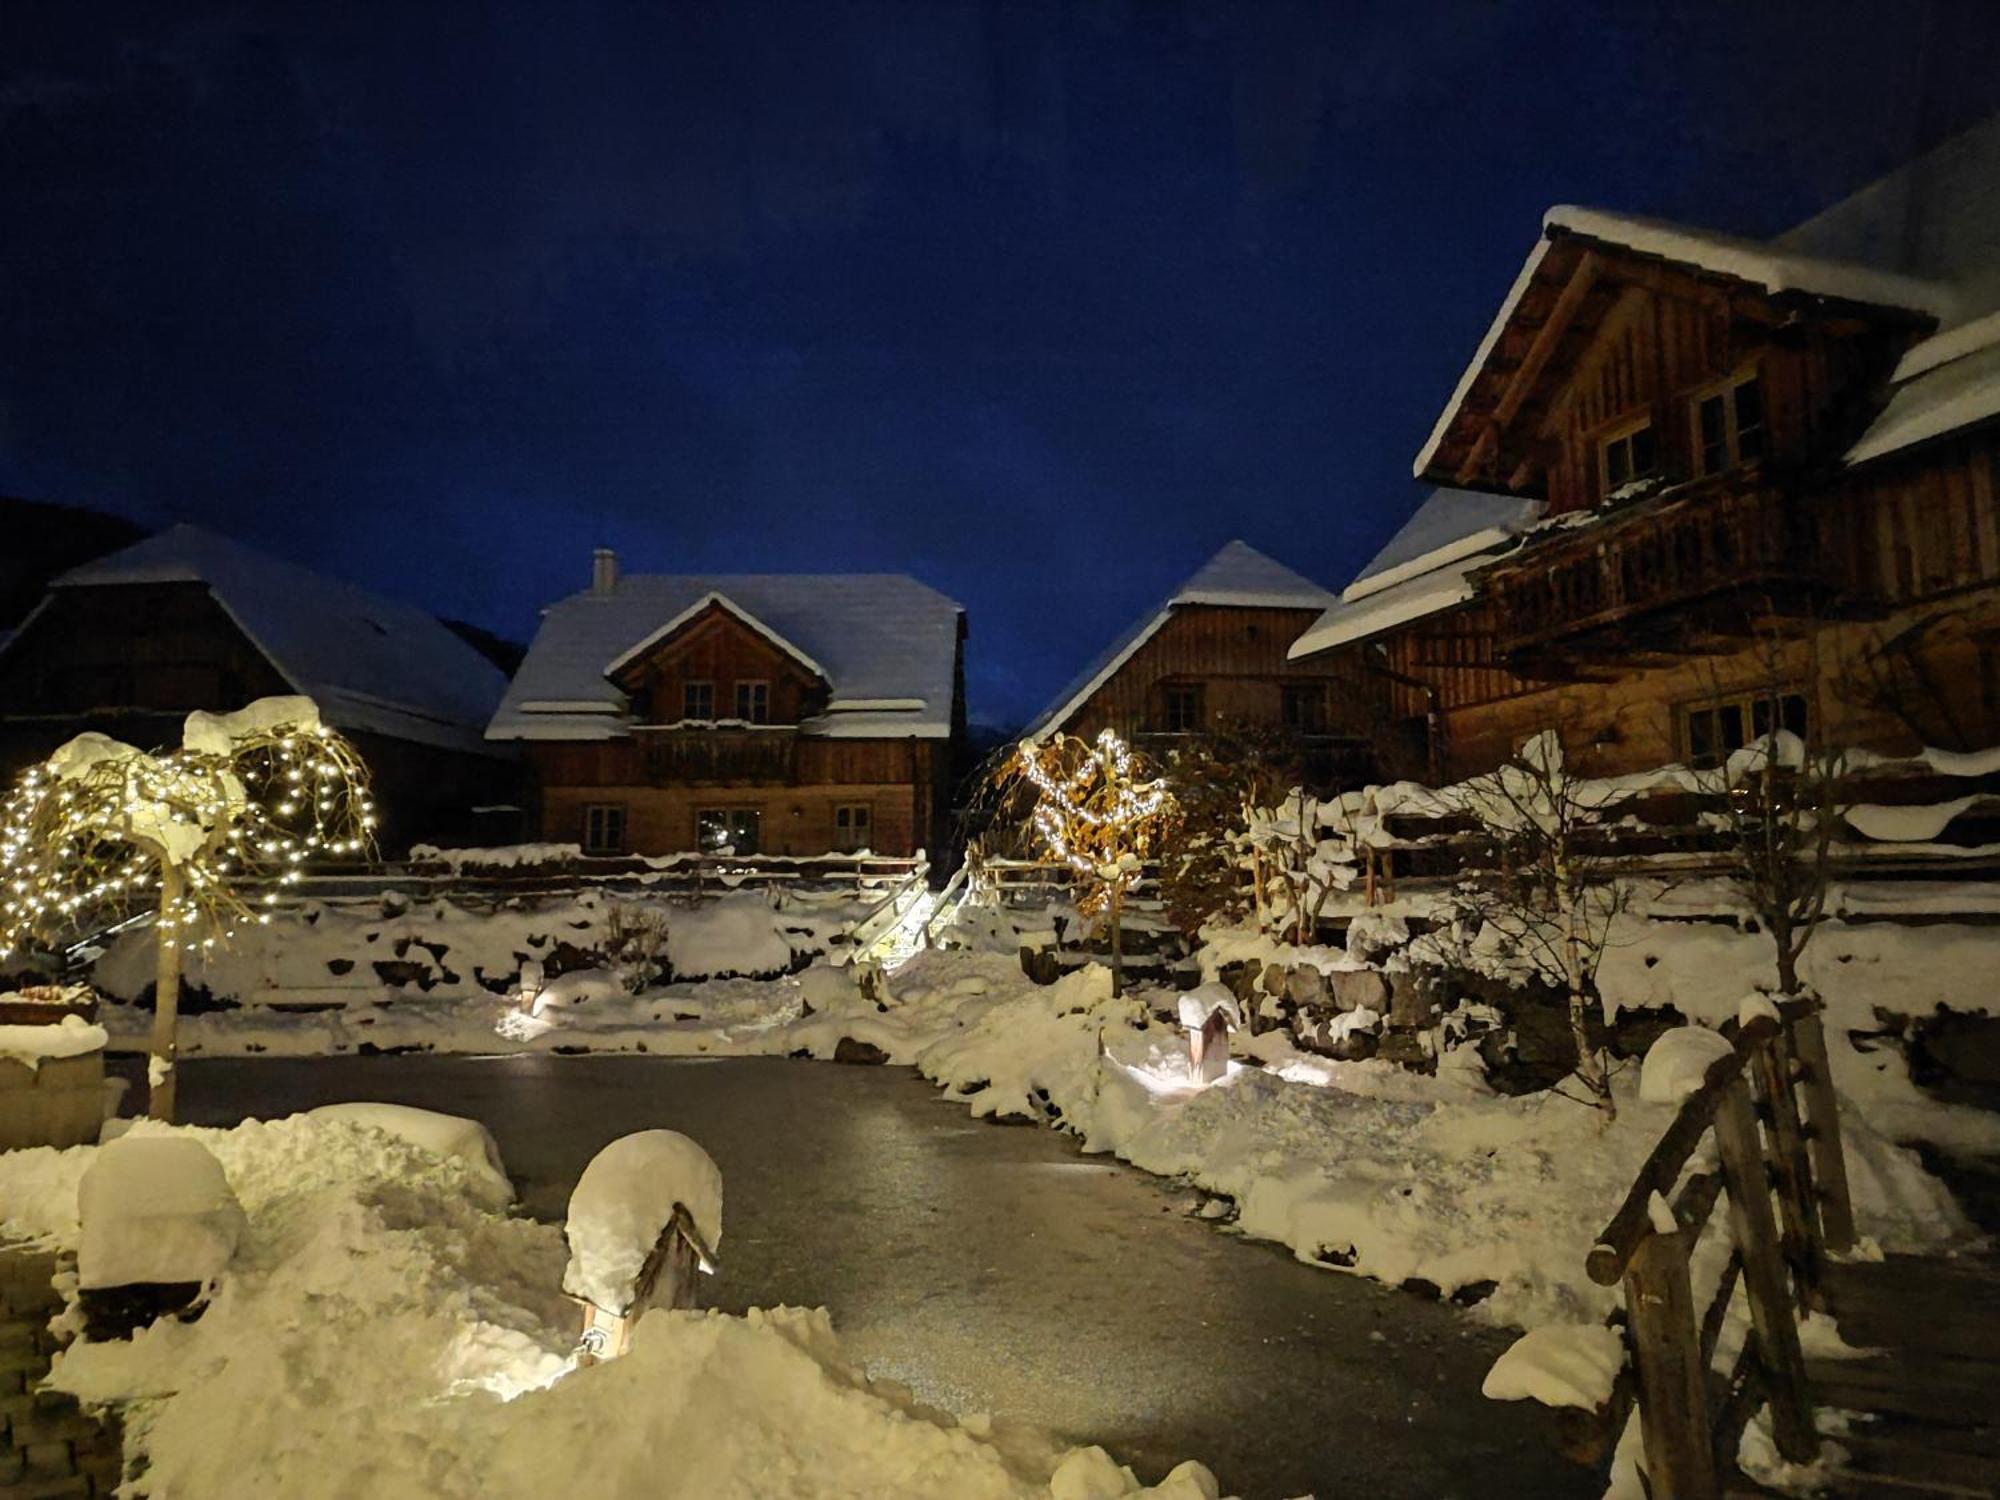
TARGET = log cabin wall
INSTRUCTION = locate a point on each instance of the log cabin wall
(1236, 658)
(718, 650)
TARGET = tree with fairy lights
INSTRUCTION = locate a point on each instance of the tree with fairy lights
(203, 835)
(1100, 809)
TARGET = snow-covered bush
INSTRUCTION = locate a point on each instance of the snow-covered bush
(1299, 853)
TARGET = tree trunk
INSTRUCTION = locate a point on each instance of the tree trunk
(1589, 1065)
(166, 999)
(1117, 942)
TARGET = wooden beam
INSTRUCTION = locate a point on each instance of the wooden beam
(1480, 454)
(1548, 337)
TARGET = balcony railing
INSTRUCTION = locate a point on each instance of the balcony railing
(719, 757)
(1702, 547)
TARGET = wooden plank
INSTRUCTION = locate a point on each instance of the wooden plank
(1829, 1157)
(1673, 1384)
(1547, 338)
(1946, 1391)
(1790, 1173)
(1772, 1324)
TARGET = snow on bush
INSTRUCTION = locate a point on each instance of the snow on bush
(380, 1333)
(624, 1200)
(155, 1208)
(439, 1134)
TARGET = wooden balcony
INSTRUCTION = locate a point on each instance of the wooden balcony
(719, 757)
(1676, 579)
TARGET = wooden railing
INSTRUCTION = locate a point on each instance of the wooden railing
(1770, 1107)
(700, 756)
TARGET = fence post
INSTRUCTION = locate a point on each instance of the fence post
(1789, 1168)
(1673, 1386)
(1829, 1157)
(1745, 1180)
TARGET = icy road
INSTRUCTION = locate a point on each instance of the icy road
(998, 1269)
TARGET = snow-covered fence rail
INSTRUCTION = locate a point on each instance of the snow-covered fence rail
(1692, 1417)
(560, 869)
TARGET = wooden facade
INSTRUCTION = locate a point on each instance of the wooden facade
(1709, 567)
(716, 753)
(132, 660)
(1212, 665)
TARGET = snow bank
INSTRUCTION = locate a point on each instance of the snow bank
(1560, 1364)
(72, 1036)
(155, 1209)
(738, 934)
(1677, 1064)
(439, 1134)
(622, 1203)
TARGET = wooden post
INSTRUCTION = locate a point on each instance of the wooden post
(1208, 1048)
(166, 997)
(1829, 1157)
(1666, 1358)
(1756, 1235)
(1790, 1172)
(1117, 941)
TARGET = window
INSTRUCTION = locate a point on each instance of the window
(698, 700)
(1305, 707)
(1729, 424)
(1180, 708)
(853, 826)
(1711, 731)
(1632, 452)
(753, 702)
(604, 828)
(728, 830)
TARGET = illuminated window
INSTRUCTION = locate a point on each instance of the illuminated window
(753, 702)
(1729, 424)
(698, 700)
(728, 830)
(1632, 452)
(853, 826)
(604, 828)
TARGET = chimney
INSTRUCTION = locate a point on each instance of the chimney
(603, 571)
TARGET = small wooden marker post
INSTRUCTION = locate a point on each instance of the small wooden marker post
(1208, 1047)
(666, 1280)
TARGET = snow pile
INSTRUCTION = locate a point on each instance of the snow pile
(443, 1135)
(219, 734)
(1677, 1064)
(1559, 1364)
(72, 1036)
(155, 1209)
(380, 1333)
(739, 934)
(624, 1201)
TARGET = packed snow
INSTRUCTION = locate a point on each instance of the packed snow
(624, 1201)
(441, 1135)
(72, 1036)
(1559, 1364)
(154, 1208)
(1677, 1064)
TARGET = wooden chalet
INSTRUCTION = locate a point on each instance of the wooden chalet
(1212, 654)
(1696, 488)
(132, 643)
(790, 714)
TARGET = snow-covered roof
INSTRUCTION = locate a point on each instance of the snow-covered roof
(1947, 382)
(1424, 568)
(370, 663)
(886, 644)
(1769, 265)
(1239, 576)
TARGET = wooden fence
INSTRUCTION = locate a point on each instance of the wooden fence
(1769, 1106)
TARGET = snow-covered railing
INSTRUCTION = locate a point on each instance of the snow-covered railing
(1691, 1435)
(542, 869)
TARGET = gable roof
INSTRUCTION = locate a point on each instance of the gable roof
(886, 644)
(714, 600)
(1238, 576)
(1424, 568)
(1555, 282)
(370, 663)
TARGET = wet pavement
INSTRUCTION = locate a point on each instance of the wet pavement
(999, 1269)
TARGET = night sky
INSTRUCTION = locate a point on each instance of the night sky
(1042, 303)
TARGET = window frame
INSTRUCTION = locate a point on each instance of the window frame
(1623, 431)
(728, 816)
(688, 690)
(751, 686)
(1747, 706)
(1726, 390)
(1315, 695)
(596, 818)
(1190, 693)
(854, 834)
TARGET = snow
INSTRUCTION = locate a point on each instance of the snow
(72, 1036)
(881, 636)
(219, 734)
(1373, 613)
(370, 663)
(440, 1134)
(1238, 576)
(1195, 1007)
(1558, 1364)
(1677, 1064)
(622, 1203)
(1449, 525)
(1954, 383)
(1907, 825)
(155, 1208)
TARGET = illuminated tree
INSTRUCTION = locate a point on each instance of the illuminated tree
(201, 834)
(1100, 809)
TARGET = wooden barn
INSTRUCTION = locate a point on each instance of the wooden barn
(791, 714)
(1213, 654)
(1698, 487)
(132, 643)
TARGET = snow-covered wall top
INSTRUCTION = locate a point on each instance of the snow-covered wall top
(887, 644)
(369, 662)
(1237, 577)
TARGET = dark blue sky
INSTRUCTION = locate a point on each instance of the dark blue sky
(1040, 302)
